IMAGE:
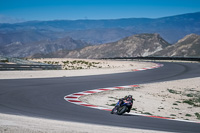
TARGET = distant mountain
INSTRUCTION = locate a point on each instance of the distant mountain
(100, 36)
(189, 46)
(42, 37)
(18, 49)
(57, 54)
(171, 28)
(137, 45)
(28, 36)
(133, 46)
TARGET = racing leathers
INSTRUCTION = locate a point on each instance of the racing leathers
(128, 101)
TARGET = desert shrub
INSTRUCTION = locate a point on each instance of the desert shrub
(112, 104)
(174, 91)
(189, 101)
(197, 115)
(147, 113)
(4, 61)
(134, 109)
(188, 115)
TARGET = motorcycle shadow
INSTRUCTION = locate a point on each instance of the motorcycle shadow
(127, 115)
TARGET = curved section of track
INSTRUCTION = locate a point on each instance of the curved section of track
(44, 97)
(74, 98)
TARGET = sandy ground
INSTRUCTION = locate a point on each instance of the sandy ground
(174, 99)
(151, 98)
(22, 124)
(94, 67)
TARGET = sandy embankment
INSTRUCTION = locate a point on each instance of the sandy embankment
(174, 99)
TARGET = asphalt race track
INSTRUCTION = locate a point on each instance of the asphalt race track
(45, 97)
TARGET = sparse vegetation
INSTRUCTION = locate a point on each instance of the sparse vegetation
(190, 102)
(188, 115)
(174, 91)
(147, 113)
(177, 108)
(197, 115)
(190, 93)
(112, 104)
(135, 109)
(113, 98)
(75, 64)
(4, 61)
(175, 104)
(194, 101)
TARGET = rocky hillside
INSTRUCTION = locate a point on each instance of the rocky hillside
(19, 49)
(137, 45)
(187, 47)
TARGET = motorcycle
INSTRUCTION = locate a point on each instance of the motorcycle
(121, 107)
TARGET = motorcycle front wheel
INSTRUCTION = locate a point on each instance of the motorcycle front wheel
(121, 110)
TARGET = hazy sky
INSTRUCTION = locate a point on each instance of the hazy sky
(17, 10)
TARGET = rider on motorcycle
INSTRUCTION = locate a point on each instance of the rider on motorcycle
(127, 99)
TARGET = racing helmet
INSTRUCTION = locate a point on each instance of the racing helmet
(129, 96)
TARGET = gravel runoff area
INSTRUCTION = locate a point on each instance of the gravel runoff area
(168, 93)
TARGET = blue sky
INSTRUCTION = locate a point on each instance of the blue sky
(19, 10)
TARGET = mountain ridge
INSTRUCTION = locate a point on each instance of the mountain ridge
(186, 47)
(93, 32)
(134, 46)
(19, 49)
(171, 28)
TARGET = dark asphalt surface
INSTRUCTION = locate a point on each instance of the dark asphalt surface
(45, 97)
